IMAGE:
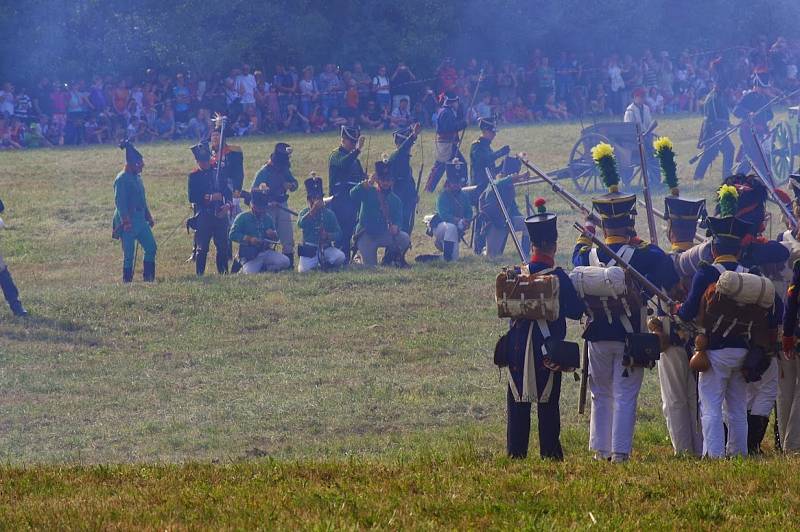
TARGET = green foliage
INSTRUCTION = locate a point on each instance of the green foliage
(68, 39)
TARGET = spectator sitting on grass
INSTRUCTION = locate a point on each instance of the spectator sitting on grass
(371, 116)
(93, 131)
(165, 125)
(295, 121)
(351, 100)
(401, 116)
(335, 122)
(552, 111)
(317, 120)
(6, 140)
(655, 101)
(35, 137)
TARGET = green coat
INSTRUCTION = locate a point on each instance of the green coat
(370, 217)
(248, 224)
(275, 178)
(344, 170)
(481, 157)
(129, 198)
(452, 206)
(310, 225)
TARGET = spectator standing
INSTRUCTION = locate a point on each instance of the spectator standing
(545, 80)
(363, 82)
(284, 87)
(401, 84)
(617, 84)
(381, 87)
(328, 85)
(23, 106)
(246, 87)
(7, 100)
(309, 94)
(182, 97)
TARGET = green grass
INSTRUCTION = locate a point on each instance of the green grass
(353, 399)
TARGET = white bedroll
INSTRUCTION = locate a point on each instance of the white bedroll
(605, 285)
(747, 289)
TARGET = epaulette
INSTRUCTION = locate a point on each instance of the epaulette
(643, 245)
(585, 249)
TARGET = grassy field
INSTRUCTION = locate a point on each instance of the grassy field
(360, 398)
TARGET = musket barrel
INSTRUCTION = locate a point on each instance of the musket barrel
(574, 202)
(509, 223)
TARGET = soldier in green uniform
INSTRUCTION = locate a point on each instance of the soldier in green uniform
(379, 219)
(494, 223)
(255, 232)
(716, 119)
(345, 171)
(453, 213)
(400, 168)
(481, 158)
(277, 175)
(132, 219)
(320, 228)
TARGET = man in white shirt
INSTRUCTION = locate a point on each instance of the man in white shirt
(246, 86)
(639, 113)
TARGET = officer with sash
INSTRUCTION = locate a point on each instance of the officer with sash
(400, 167)
(255, 232)
(533, 376)
(494, 226)
(379, 219)
(230, 160)
(344, 172)
(722, 387)
(716, 120)
(132, 219)
(615, 387)
(211, 200)
(453, 213)
(750, 110)
(320, 229)
(7, 282)
(789, 381)
(481, 158)
(277, 175)
(449, 124)
(678, 382)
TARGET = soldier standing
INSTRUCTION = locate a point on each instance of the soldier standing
(132, 219)
(482, 158)
(495, 232)
(755, 113)
(230, 160)
(7, 282)
(716, 119)
(400, 168)
(210, 198)
(449, 124)
(344, 172)
(277, 175)
(543, 232)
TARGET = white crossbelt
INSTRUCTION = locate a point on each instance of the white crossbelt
(529, 388)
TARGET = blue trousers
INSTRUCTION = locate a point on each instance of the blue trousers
(141, 232)
(519, 424)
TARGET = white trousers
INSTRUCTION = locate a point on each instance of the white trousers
(614, 399)
(446, 232)
(723, 398)
(789, 404)
(333, 256)
(679, 400)
(762, 394)
(269, 261)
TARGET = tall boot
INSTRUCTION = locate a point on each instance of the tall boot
(388, 258)
(400, 261)
(449, 249)
(290, 256)
(149, 271)
(756, 429)
(200, 263)
(127, 275)
(11, 293)
(236, 265)
(222, 263)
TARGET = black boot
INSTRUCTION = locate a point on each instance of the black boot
(756, 429)
(200, 264)
(400, 261)
(11, 293)
(388, 258)
(290, 256)
(149, 272)
(222, 264)
(448, 248)
(127, 275)
(236, 266)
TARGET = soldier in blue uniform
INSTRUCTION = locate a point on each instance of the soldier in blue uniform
(716, 119)
(211, 200)
(7, 283)
(543, 232)
(449, 123)
(345, 172)
(494, 230)
(722, 388)
(132, 219)
(453, 213)
(615, 388)
(277, 175)
(400, 168)
(481, 158)
(749, 110)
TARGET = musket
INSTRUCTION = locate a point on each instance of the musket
(223, 120)
(284, 209)
(697, 236)
(584, 378)
(573, 202)
(419, 183)
(509, 223)
(712, 143)
(787, 213)
(648, 200)
(471, 103)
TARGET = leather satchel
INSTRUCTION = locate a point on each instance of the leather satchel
(642, 350)
(567, 355)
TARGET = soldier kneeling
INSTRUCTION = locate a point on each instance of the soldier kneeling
(320, 229)
(255, 232)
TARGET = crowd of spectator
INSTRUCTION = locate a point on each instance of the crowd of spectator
(307, 100)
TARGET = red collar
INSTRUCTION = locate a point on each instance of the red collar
(544, 259)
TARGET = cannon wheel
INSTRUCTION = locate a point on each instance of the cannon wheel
(781, 153)
(581, 165)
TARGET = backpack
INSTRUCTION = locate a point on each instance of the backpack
(521, 295)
